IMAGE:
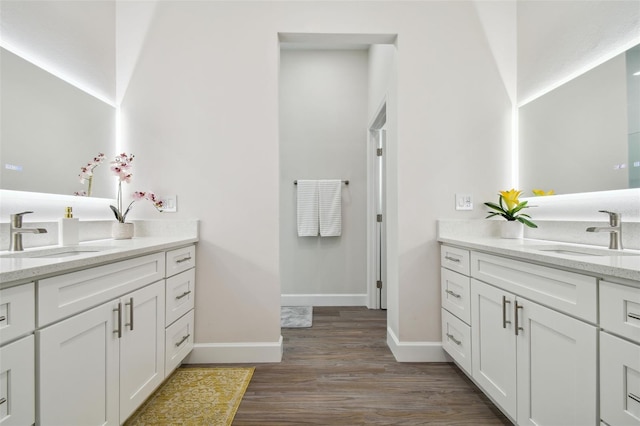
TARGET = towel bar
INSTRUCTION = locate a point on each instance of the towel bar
(346, 182)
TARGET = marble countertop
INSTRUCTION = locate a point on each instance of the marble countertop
(602, 263)
(16, 270)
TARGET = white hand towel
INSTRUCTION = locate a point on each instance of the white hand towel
(330, 199)
(307, 208)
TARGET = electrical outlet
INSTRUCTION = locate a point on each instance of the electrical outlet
(464, 202)
(170, 203)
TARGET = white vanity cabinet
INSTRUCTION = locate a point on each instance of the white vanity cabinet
(534, 351)
(17, 354)
(456, 307)
(108, 359)
(620, 353)
(180, 305)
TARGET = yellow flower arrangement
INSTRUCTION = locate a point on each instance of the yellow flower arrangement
(541, 192)
(513, 207)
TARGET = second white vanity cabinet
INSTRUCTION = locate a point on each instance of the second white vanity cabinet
(620, 353)
(534, 352)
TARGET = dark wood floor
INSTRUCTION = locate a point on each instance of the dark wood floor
(341, 372)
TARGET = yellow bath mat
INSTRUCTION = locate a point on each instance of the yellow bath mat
(195, 396)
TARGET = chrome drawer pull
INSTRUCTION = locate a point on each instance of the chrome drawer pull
(186, 293)
(184, 259)
(130, 304)
(456, 341)
(456, 295)
(119, 311)
(634, 316)
(452, 259)
(636, 398)
(3, 318)
(3, 400)
(183, 340)
(515, 313)
(504, 311)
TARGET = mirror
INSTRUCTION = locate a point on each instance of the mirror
(49, 129)
(584, 136)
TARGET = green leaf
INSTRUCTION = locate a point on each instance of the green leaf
(527, 222)
(117, 213)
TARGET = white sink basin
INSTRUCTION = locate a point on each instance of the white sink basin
(54, 252)
(584, 251)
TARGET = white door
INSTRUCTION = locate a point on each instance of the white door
(79, 367)
(141, 346)
(381, 234)
(493, 353)
(557, 368)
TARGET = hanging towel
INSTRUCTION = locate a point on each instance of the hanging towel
(307, 208)
(330, 199)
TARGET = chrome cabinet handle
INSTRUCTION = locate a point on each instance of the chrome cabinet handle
(130, 304)
(456, 295)
(3, 318)
(186, 293)
(184, 259)
(515, 313)
(634, 316)
(504, 311)
(452, 259)
(183, 340)
(636, 398)
(119, 311)
(456, 341)
(3, 400)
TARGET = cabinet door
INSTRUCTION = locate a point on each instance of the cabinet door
(493, 343)
(78, 369)
(619, 381)
(17, 383)
(141, 346)
(557, 368)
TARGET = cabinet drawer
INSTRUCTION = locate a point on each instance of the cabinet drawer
(17, 312)
(456, 291)
(180, 295)
(65, 295)
(620, 310)
(564, 291)
(178, 341)
(619, 381)
(456, 340)
(180, 260)
(17, 383)
(455, 259)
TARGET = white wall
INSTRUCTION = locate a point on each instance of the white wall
(205, 91)
(323, 135)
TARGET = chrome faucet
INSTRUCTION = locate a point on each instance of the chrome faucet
(614, 229)
(17, 230)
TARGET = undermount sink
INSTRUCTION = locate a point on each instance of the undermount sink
(55, 252)
(584, 251)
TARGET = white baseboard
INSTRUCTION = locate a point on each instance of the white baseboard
(415, 351)
(235, 353)
(323, 300)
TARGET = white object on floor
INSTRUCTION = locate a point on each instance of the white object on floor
(296, 316)
(330, 200)
(307, 208)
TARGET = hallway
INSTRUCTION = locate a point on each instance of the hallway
(341, 371)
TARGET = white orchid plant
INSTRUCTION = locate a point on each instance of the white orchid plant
(121, 167)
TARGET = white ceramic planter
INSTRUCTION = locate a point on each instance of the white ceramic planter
(511, 229)
(122, 231)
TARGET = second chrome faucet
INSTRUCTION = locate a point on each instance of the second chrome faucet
(17, 230)
(614, 229)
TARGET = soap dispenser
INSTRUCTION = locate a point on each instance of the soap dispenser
(68, 229)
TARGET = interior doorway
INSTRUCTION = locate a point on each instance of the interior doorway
(377, 288)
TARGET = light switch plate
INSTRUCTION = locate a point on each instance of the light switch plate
(170, 203)
(464, 202)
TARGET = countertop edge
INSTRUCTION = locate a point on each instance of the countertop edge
(34, 269)
(521, 250)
